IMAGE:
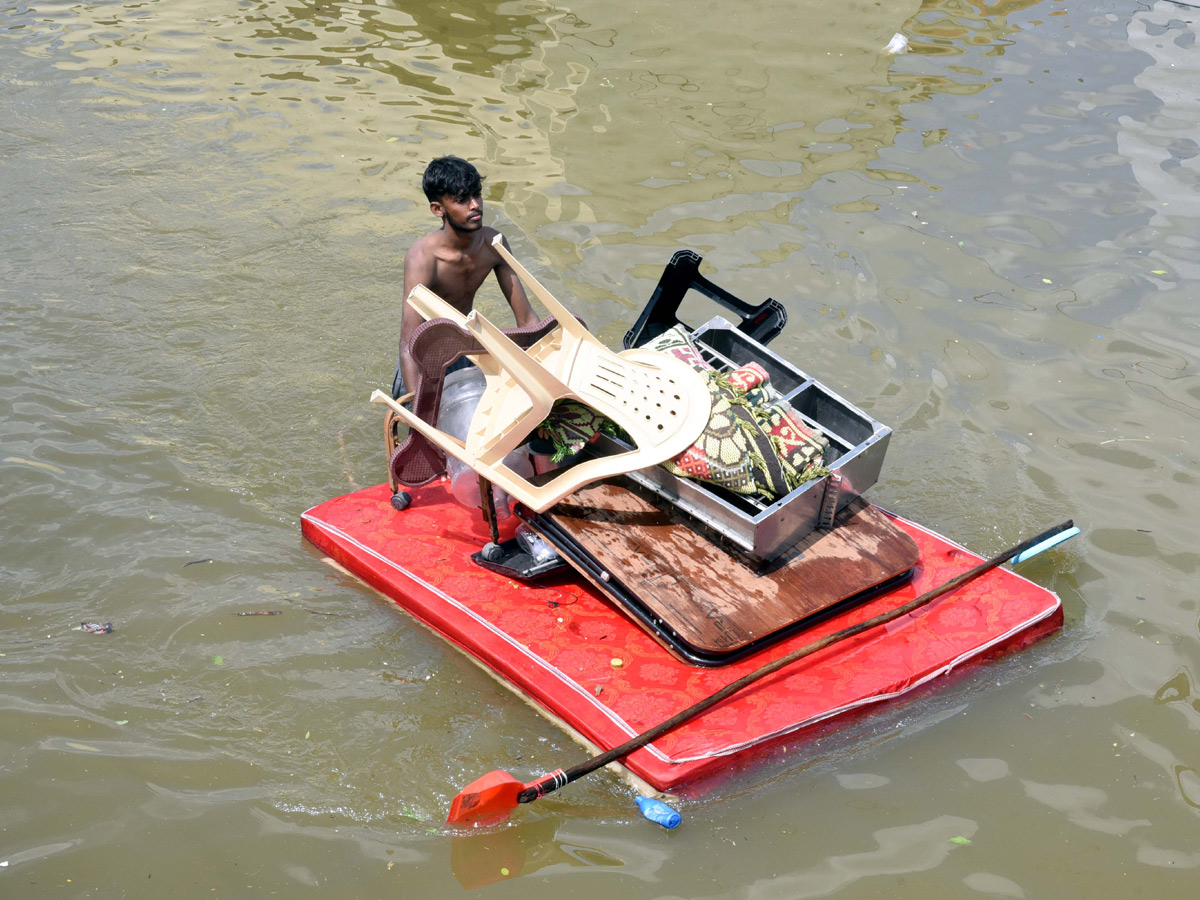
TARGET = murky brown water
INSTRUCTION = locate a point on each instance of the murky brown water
(990, 242)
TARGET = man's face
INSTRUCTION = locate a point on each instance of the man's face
(463, 214)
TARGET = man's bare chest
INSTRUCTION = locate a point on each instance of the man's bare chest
(459, 273)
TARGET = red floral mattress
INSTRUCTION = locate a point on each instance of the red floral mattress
(580, 658)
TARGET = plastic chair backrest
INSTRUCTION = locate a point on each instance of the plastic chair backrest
(659, 401)
(435, 345)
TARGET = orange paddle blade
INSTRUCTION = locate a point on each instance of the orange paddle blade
(485, 801)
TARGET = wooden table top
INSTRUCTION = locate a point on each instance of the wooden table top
(713, 601)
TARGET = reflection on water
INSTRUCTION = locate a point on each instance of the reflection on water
(547, 97)
(900, 851)
(987, 242)
(478, 860)
(1163, 147)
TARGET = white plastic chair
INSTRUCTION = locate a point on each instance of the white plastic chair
(658, 400)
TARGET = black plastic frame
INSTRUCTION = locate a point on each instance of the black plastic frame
(682, 274)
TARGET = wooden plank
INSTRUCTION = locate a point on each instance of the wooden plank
(715, 601)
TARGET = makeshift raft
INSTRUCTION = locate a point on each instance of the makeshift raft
(569, 649)
(677, 588)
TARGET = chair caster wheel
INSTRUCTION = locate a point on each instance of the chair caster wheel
(401, 500)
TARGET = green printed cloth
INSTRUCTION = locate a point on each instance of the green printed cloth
(754, 443)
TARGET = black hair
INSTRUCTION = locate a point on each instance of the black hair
(449, 176)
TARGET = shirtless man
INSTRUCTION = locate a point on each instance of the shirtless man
(457, 258)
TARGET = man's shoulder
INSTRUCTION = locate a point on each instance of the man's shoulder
(481, 249)
(425, 244)
(487, 235)
(422, 254)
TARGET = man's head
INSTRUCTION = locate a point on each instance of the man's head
(453, 187)
(449, 176)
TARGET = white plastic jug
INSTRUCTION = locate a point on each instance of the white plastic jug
(461, 393)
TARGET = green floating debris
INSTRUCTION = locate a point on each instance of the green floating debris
(218, 660)
(122, 722)
(960, 840)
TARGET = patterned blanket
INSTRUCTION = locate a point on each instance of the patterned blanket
(753, 444)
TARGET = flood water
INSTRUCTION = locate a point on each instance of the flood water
(989, 242)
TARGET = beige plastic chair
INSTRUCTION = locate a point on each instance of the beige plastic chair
(660, 401)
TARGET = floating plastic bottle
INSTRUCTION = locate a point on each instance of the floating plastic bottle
(659, 813)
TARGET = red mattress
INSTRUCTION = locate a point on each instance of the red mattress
(584, 661)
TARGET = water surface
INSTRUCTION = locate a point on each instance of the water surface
(989, 242)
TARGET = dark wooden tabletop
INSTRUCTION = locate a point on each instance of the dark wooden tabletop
(714, 599)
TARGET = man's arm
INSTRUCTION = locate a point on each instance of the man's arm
(514, 292)
(418, 269)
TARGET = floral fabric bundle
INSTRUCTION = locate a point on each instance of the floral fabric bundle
(753, 444)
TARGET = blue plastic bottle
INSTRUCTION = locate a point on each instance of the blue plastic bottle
(658, 812)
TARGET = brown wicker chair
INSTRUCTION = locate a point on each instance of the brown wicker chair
(435, 345)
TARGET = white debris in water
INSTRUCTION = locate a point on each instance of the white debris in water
(898, 44)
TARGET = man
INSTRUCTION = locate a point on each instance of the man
(457, 258)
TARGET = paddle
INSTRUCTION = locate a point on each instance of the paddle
(490, 799)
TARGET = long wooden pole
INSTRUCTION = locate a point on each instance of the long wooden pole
(564, 777)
